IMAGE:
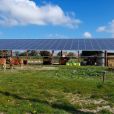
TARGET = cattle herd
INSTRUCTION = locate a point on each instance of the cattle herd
(11, 61)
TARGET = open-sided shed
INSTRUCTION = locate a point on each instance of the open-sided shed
(103, 45)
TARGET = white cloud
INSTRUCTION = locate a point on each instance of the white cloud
(87, 35)
(101, 29)
(108, 28)
(24, 12)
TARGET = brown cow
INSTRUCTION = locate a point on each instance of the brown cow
(3, 63)
(15, 61)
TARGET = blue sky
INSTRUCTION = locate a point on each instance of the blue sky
(56, 19)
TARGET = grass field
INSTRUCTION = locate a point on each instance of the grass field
(65, 90)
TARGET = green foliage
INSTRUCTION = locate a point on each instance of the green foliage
(104, 111)
(100, 85)
(33, 53)
(45, 53)
(59, 54)
(70, 54)
(30, 53)
(32, 91)
(6, 53)
(74, 71)
(23, 53)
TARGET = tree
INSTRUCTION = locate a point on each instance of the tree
(17, 53)
(45, 53)
(0, 53)
(4, 53)
(33, 53)
(70, 54)
(59, 54)
(23, 53)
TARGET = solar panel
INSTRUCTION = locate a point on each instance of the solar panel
(95, 44)
(110, 44)
(89, 45)
(60, 44)
(67, 44)
(57, 44)
(75, 45)
(82, 45)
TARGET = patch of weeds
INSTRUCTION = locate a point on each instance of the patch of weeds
(41, 108)
(104, 111)
(78, 106)
(77, 92)
(89, 106)
(64, 105)
(99, 85)
(94, 96)
(46, 93)
(110, 96)
(110, 104)
(67, 90)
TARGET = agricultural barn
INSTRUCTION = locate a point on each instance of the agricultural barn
(102, 48)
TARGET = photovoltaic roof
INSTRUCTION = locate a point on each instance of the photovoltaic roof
(57, 44)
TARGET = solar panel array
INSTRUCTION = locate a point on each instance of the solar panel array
(57, 44)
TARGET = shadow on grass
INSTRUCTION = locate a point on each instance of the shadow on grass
(63, 106)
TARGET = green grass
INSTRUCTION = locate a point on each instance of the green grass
(33, 92)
